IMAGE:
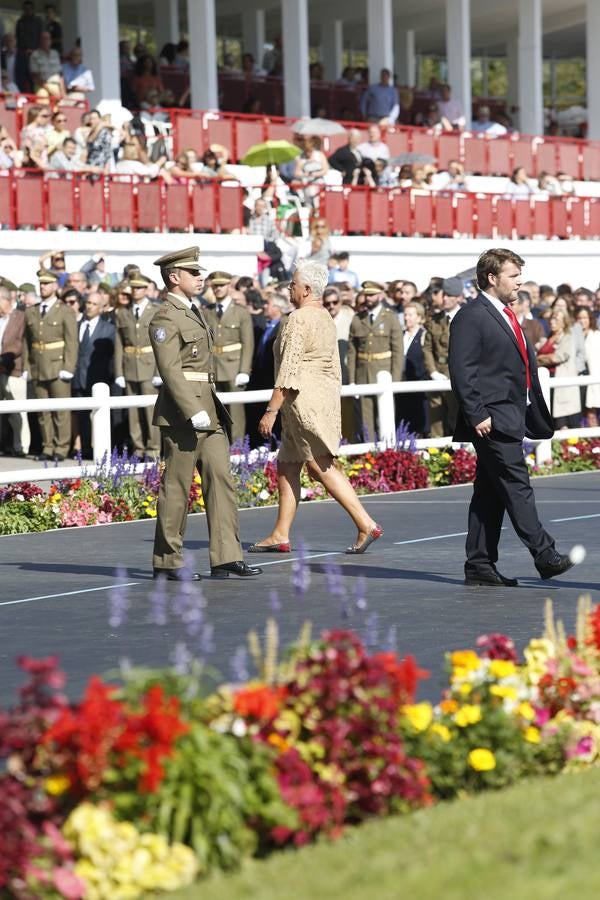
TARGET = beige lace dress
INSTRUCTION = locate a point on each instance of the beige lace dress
(307, 361)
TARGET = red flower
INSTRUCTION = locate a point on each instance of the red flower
(261, 703)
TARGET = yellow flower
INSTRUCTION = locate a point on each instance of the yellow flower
(465, 659)
(482, 760)
(433, 451)
(445, 456)
(526, 711)
(465, 689)
(441, 731)
(572, 441)
(505, 691)
(368, 466)
(56, 785)
(448, 706)
(151, 513)
(149, 498)
(469, 714)
(532, 734)
(502, 668)
(419, 715)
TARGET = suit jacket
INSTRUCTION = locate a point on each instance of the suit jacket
(344, 160)
(95, 362)
(134, 359)
(263, 364)
(234, 327)
(488, 376)
(59, 325)
(414, 363)
(182, 342)
(383, 336)
(11, 346)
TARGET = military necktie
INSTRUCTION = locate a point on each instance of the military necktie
(43, 310)
(137, 314)
(371, 318)
(219, 310)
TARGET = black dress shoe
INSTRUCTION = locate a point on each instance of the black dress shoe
(57, 457)
(177, 575)
(553, 563)
(488, 577)
(234, 568)
(43, 457)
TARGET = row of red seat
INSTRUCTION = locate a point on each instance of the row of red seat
(479, 155)
(128, 204)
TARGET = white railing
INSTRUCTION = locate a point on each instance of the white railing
(101, 403)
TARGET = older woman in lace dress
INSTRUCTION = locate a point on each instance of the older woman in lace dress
(307, 393)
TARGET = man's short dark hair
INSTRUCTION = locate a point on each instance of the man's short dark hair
(436, 284)
(69, 140)
(331, 290)
(254, 298)
(343, 254)
(244, 283)
(491, 263)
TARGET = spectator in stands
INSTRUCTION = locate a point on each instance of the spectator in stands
(74, 300)
(533, 329)
(65, 158)
(451, 110)
(212, 166)
(347, 78)
(347, 294)
(99, 141)
(453, 179)
(56, 135)
(27, 33)
(518, 185)
(320, 243)
(167, 55)
(10, 158)
(587, 322)
(38, 126)
(54, 261)
(565, 181)
(421, 180)
(261, 222)
(583, 297)
(44, 62)
(77, 76)
(548, 184)
(414, 408)
(80, 282)
(133, 160)
(12, 385)
(8, 60)
(182, 169)
(384, 175)
(374, 148)
(380, 102)
(146, 78)
(483, 124)
(182, 58)
(54, 28)
(341, 270)
(557, 354)
(566, 303)
(347, 159)
(311, 166)
(430, 119)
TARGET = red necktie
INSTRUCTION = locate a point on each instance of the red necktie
(520, 340)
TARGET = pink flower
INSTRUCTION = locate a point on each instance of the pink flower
(68, 884)
(542, 716)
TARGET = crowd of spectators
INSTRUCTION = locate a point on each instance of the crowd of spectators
(408, 326)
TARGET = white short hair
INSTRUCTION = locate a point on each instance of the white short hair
(314, 274)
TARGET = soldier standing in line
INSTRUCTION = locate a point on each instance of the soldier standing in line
(234, 346)
(50, 345)
(194, 425)
(375, 344)
(443, 407)
(135, 366)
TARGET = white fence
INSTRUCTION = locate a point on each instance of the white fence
(101, 403)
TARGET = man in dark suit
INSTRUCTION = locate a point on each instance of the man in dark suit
(263, 363)
(95, 361)
(494, 376)
(347, 159)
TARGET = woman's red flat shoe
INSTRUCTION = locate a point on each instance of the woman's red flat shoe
(269, 548)
(373, 535)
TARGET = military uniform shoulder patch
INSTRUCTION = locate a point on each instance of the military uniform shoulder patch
(160, 334)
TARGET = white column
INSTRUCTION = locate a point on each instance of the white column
(405, 57)
(380, 37)
(166, 22)
(253, 34)
(332, 48)
(296, 85)
(593, 69)
(458, 52)
(202, 35)
(99, 32)
(531, 86)
(70, 24)
(512, 68)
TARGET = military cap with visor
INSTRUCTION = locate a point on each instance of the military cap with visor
(181, 259)
(218, 278)
(45, 276)
(372, 287)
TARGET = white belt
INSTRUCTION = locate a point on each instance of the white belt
(200, 376)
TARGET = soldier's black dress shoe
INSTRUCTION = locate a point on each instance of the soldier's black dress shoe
(488, 577)
(177, 575)
(41, 457)
(234, 568)
(552, 563)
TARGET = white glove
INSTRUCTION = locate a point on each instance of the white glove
(241, 379)
(201, 420)
(120, 381)
(437, 376)
(25, 376)
(156, 381)
(64, 375)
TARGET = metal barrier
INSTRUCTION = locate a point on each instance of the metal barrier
(101, 403)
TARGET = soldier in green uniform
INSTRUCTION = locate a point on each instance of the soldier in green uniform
(375, 344)
(234, 346)
(443, 407)
(194, 425)
(135, 367)
(50, 345)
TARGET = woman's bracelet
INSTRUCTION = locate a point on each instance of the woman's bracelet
(268, 409)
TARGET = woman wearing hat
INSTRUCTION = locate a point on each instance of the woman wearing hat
(307, 392)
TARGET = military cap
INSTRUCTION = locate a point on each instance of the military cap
(453, 286)
(137, 280)
(372, 287)
(105, 285)
(218, 278)
(27, 288)
(181, 259)
(8, 284)
(45, 276)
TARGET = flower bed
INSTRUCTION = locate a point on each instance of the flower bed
(146, 786)
(115, 494)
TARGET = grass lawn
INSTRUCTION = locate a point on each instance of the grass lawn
(539, 840)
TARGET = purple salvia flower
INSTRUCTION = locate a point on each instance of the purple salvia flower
(360, 593)
(181, 658)
(158, 604)
(239, 665)
(391, 640)
(206, 642)
(300, 577)
(371, 633)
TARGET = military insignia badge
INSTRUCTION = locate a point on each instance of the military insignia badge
(194, 352)
(160, 335)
